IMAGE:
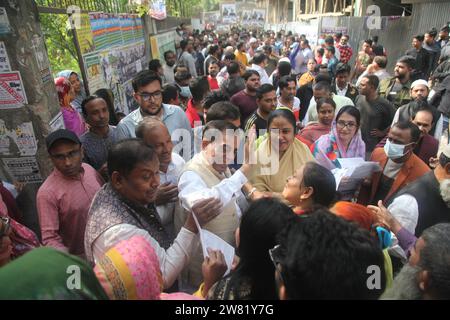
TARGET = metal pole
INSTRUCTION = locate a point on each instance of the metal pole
(352, 8)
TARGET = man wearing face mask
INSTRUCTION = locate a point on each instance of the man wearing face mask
(400, 166)
(419, 207)
(425, 202)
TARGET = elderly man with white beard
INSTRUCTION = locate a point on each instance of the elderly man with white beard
(426, 201)
(427, 275)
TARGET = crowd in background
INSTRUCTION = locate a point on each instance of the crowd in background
(129, 195)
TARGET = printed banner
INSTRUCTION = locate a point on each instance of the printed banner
(12, 93)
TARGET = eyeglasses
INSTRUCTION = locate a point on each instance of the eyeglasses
(4, 226)
(147, 96)
(342, 124)
(70, 155)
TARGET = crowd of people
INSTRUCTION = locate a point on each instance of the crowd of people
(237, 138)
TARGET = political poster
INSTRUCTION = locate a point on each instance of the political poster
(84, 35)
(94, 72)
(98, 30)
(12, 92)
(19, 140)
(258, 17)
(246, 18)
(23, 169)
(229, 14)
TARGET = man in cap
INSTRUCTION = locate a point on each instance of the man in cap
(64, 198)
(419, 91)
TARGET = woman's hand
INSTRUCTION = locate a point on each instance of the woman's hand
(213, 269)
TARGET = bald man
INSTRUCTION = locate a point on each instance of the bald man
(155, 134)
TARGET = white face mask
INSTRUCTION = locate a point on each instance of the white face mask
(185, 92)
(393, 150)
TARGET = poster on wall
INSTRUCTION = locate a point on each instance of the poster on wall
(84, 35)
(229, 14)
(18, 141)
(158, 9)
(162, 43)
(12, 92)
(98, 30)
(94, 72)
(258, 17)
(246, 18)
(5, 27)
(23, 169)
(4, 59)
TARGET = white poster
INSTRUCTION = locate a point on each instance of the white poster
(12, 93)
(259, 17)
(24, 169)
(5, 27)
(229, 14)
(18, 140)
(4, 60)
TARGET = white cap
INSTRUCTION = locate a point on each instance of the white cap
(253, 40)
(285, 59)
(446, 151)
(420, 82)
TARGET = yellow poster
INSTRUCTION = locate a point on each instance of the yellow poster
(154, 47)
(84, 34)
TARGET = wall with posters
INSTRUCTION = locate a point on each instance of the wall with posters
(113, 49)
(29, 107)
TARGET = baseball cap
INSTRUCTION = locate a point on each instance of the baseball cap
(60, 135)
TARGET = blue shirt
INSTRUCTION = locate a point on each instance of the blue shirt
(172, 116)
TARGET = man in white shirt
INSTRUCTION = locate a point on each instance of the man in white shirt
(124, 208)
(207, 176)
(287, 88)
(169, 66)
(259, 65)
(323, 90)
(155, 134)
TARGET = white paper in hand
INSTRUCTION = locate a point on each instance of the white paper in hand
(211, 241)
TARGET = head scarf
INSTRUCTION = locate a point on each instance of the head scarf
(329, 148)
(66, 74)
(130, 271)
(62, 87)
(49, 274)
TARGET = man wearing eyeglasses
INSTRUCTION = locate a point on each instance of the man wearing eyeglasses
(64, 198)
(148, 94)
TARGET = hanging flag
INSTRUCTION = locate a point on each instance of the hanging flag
(158, 9)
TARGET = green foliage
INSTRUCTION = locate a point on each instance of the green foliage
(59, 41)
